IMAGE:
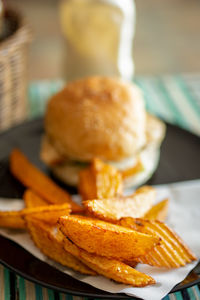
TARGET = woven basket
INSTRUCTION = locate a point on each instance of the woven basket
(13, 71)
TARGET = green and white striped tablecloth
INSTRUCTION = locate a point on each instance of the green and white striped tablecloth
(176, 99)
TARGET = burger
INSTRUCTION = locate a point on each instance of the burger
(105, 118)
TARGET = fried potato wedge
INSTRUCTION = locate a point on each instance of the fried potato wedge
(50, 215)
(87, 185)
(33, 178)
(159, 211)
(110, 268)
(100, 181)
(113, 209)
(106, 239)
(12, 219)
(31, 199)
(47, 239)
(172, 251)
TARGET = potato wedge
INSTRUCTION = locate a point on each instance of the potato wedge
(31, 199)
(158, 212)
(49, 214)
(33, 178)
(12, 219)
(47, 239)
(110, 268)
(87, 185)
(106, 239)
(100, 181)
(113, 209)
(172, 251)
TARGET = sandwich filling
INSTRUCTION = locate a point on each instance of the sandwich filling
(135, 170)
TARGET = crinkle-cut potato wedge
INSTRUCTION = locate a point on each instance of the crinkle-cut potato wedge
(50, 214)
(158, 212)
(100, 181)
(106, 239)
(172, 251)
(110, 268)
(33, 178)
(31, 199)
(113, 209)
(50, 243)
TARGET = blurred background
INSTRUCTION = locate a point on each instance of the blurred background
(167, 38)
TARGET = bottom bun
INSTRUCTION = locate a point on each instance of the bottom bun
(149, 157)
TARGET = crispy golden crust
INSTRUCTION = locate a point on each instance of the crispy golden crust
(97, 117)
(12, 219)
(48, 213)
(106, 239)
(99, 181)
(33, 178)
(158, 212)
(110, 268)
(113, 209)
(31, 199)
(172, 251)
(45, 236)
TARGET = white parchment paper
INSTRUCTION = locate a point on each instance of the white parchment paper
(184, 218)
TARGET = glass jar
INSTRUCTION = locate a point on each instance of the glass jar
(98, 37)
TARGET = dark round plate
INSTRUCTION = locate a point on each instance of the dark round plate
(179, 162)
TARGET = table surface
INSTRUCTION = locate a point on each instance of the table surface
(176, 99)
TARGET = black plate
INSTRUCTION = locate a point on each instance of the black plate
(179, 162)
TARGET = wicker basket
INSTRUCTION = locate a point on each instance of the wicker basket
(13, 71)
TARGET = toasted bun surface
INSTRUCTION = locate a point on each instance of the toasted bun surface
(96, 117)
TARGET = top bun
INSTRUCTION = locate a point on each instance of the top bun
(96, 117)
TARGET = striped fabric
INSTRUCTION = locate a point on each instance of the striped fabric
(13, 287)
(176, 99)
(172, 99)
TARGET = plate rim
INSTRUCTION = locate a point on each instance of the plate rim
(176, 288)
